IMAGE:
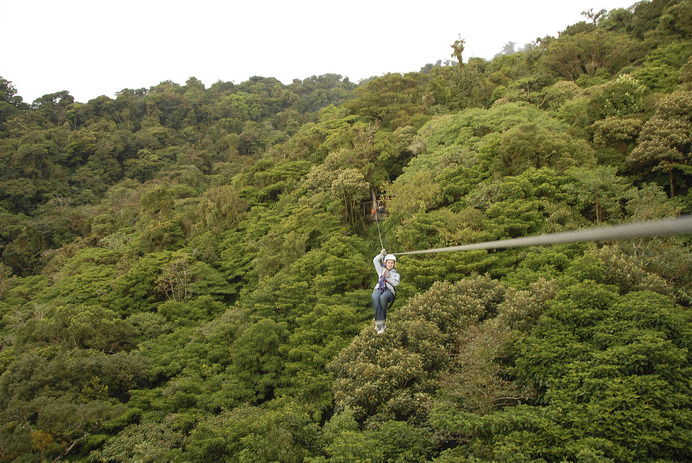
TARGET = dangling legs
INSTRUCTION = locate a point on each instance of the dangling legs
(380, 302)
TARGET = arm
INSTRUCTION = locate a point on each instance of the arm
(394, 278)
(377, 262)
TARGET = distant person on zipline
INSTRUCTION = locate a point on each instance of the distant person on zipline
(384, 292)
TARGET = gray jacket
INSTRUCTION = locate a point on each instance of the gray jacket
(391, 280)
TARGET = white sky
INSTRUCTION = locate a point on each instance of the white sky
(99, 47)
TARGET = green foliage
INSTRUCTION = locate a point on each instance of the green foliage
(599, 190)
(78, 326)
(55, 400)
(587, 53)
(603, 366)
(393, 99)
(253, 434)
(319, 336)
(528, 146)
(146, 442)
(185, 271)
(256, 361)
(631, 339)
(620, 97)
(665, 142)
(661, 70)
(541, 263)
(392, 377)
(392, 441)
(11, 104)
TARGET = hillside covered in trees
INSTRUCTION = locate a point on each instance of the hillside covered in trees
(185, 272)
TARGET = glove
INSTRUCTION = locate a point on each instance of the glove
(383, 253)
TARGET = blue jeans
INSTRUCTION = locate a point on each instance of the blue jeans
(380, 301)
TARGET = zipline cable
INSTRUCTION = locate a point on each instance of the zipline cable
(377, 220)
(664, 227)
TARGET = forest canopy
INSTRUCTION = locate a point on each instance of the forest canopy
(185, 272)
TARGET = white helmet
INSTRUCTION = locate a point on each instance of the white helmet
(390, 257)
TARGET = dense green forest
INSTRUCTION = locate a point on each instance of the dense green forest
(185, 272)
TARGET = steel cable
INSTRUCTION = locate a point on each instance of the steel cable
(664, 227)
(377, 220)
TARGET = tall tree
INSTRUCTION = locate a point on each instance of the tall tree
(11, 104)
(665, 142)
(589, 52)
(458, 50)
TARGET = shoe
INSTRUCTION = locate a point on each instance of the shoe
(379, 329)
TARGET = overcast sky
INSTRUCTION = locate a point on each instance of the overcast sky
(99, 47)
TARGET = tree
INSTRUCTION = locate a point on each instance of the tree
(609, 371)
(148, 442)
(617, 132)
(6, 278)
(594, 17)
(392, 441)
(662, 68)
(597, 189)
(319, 336)
(391, 100)
(471, 87)
(458, 49)
(11, 104)
(665, 142)
(351, 188)
(52, 108)
(214, 304)
(416, 192)
(257, 361)
(67, 382)
(530, 145)
(393, 377)
(622, 97)
(250, 433)
(508, 48)
(589, 52)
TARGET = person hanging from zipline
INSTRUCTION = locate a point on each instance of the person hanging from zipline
(384, 292)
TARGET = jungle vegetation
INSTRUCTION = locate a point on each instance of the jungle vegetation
(185, 271)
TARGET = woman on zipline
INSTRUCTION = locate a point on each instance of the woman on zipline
(384, 292)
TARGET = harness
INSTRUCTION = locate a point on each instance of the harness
(382, 286)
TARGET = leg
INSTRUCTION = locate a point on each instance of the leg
(381, 302)
(380, 312)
